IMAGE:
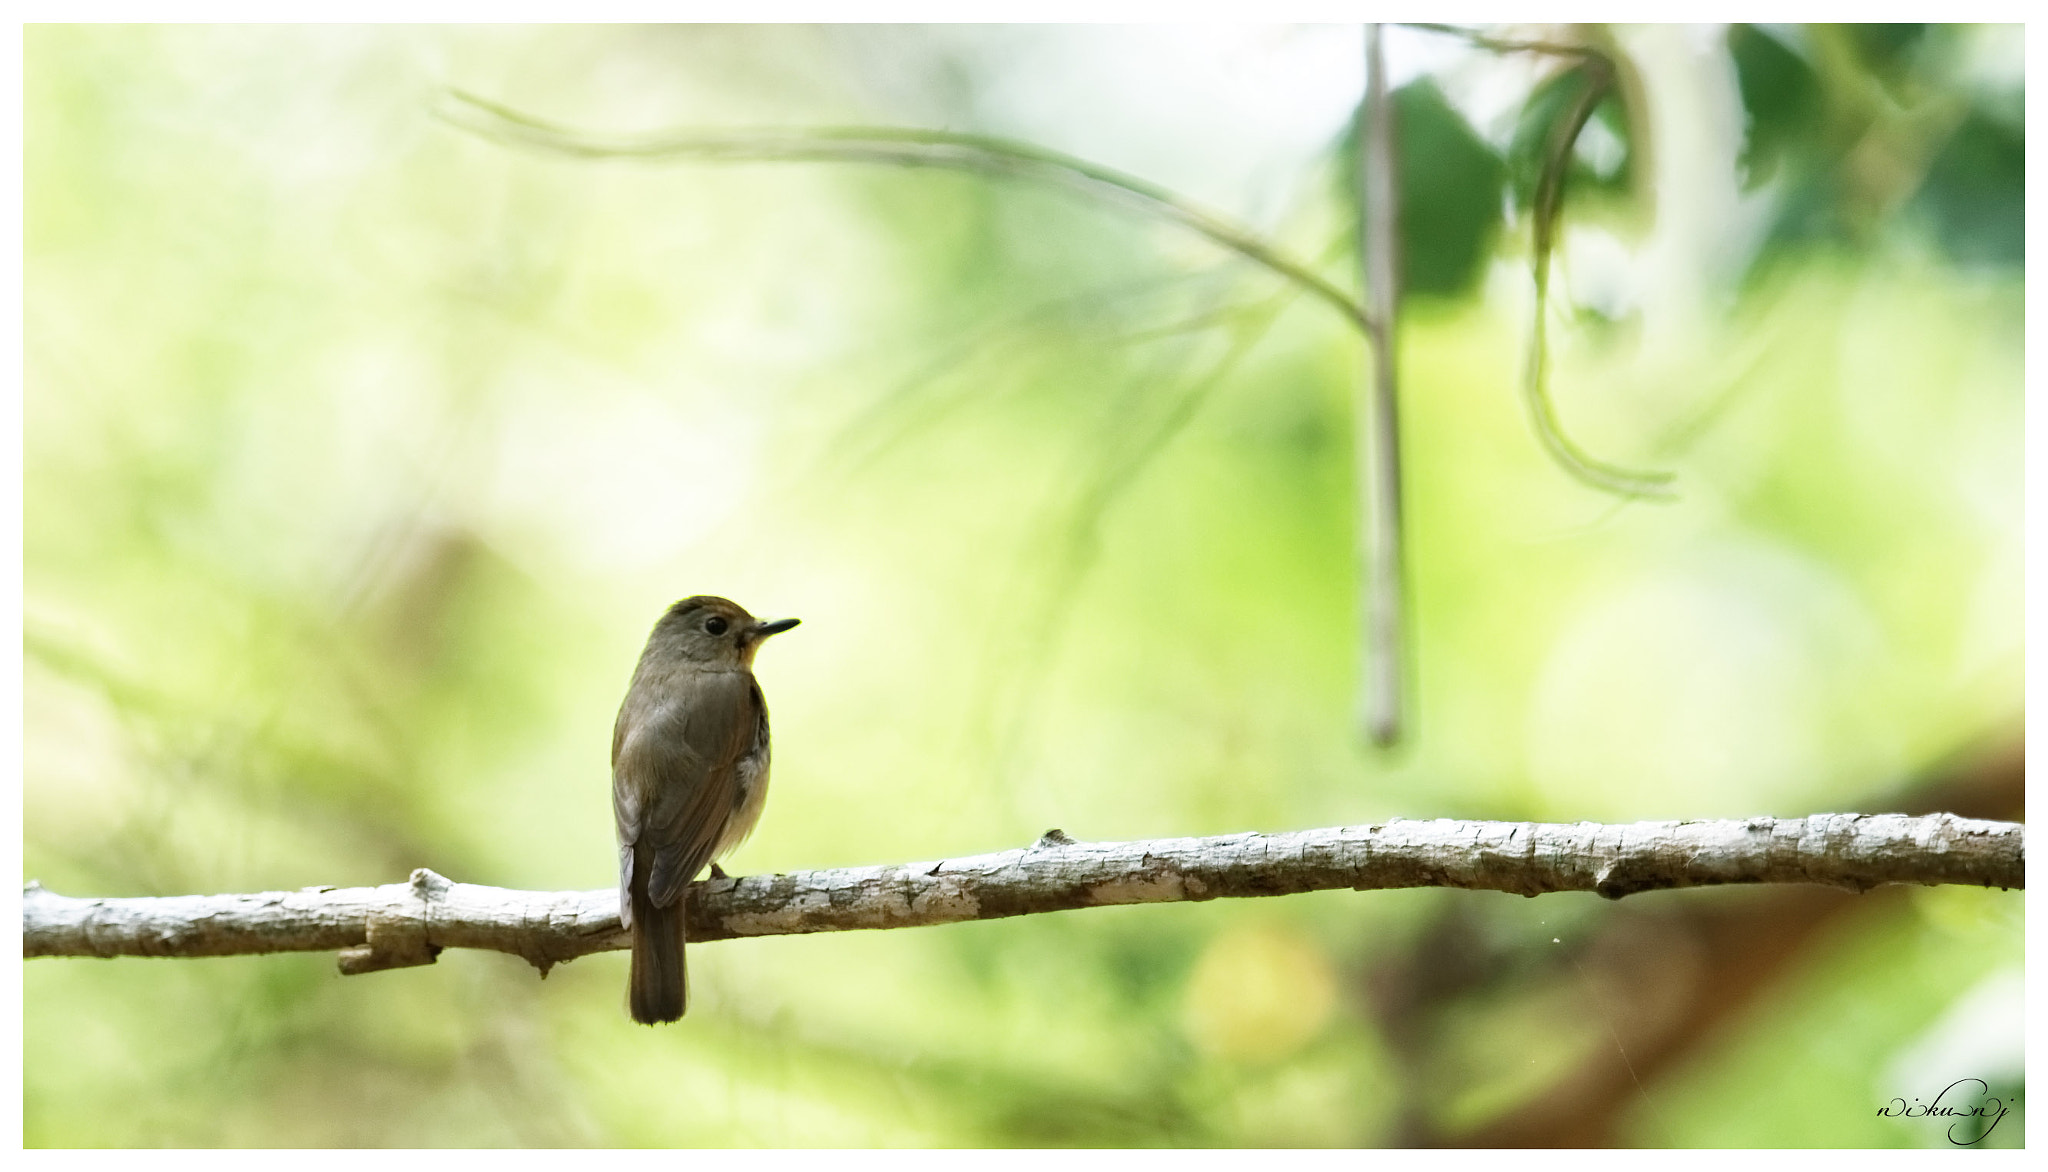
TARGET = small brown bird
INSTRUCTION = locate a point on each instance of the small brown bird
(689, 773)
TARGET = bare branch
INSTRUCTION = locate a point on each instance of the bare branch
(903, 147)
(410, 923)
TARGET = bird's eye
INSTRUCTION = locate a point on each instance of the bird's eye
(714, 625)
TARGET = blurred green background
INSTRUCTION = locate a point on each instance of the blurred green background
(361, 452)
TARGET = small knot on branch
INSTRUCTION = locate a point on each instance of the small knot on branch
(430, 886)
(398, 940)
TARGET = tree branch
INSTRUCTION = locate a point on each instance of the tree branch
(402, 924)
(980, 154)
(1510, 44)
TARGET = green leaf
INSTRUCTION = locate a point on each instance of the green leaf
(1976, 194)
(1450, 193)
(1780, 97)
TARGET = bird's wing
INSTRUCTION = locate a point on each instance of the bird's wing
(675, 779)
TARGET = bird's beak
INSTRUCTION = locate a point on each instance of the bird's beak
(767, 627)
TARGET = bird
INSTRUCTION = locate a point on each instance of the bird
(689, 776)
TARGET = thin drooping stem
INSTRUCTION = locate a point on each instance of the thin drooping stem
(1507, 44)
(1598, 70)
(903, 147)
(1548, 203)
(409, 923)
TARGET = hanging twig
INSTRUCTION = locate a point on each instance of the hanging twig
(1378, 443)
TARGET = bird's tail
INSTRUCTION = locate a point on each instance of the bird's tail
(660, 988)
